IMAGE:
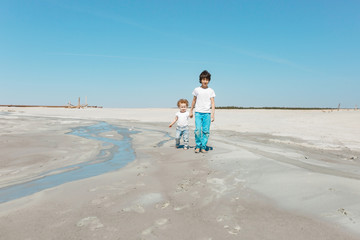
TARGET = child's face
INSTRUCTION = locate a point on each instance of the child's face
(204, 82)
(183, 107)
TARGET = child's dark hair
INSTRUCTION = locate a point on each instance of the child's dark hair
(183, 101)
(204, 74)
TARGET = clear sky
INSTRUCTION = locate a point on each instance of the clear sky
(130, 53)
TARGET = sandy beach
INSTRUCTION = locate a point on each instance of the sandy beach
(269, 174)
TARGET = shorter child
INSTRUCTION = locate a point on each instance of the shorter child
(182, 119)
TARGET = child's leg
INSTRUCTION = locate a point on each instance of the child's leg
(205, 130)
(186, 138)
(177, 137)
(198, 124)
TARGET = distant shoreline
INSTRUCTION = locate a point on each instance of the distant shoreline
(281, 108)
(66, 106)
(220, 107)
(284, 108)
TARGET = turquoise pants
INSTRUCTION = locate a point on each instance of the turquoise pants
(202, 129)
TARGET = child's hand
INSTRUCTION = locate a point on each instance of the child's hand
(212, 117)
(170, 125)
(191, 114)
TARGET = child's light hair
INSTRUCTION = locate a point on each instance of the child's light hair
(183, 101)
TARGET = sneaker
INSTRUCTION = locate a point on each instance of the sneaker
(186, 148)
(203, 151)
(197, 150)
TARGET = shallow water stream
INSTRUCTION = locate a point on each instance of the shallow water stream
(115, 154)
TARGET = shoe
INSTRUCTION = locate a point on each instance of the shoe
(197, 150)
(203, 151)
(186, 148)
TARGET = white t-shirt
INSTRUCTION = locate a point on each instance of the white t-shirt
(183, 119)
(203, 96)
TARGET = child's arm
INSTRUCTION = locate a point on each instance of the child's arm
(212, 109)
(192, 107)
(176, 118)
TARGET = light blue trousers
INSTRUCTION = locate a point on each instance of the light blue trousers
(182, 131)
(202, 129)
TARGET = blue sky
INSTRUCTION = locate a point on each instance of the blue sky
(150, 53)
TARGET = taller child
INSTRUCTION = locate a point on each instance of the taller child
(204, 104)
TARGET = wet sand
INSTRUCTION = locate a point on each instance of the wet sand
(270, 174)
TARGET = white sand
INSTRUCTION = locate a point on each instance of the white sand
(271, 174)
(319, 128)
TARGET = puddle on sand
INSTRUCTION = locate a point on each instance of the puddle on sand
(110, 159)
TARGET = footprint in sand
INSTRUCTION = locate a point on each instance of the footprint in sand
(185, 185)
(179, 208)
(159, 224)
(140, 174)
(233, 230)
(99, 200)
(136, 208)
(144, 201)
(92, 223)
(217, 185)
(346, 213)
(163, 205)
